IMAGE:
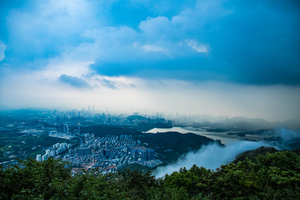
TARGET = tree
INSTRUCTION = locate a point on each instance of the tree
(30, 178)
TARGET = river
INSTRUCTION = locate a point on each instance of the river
(222, 136)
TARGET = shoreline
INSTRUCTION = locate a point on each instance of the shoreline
(222, 136)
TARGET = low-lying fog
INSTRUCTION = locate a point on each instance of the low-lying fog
(213, 156)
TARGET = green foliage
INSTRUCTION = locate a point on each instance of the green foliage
(192, 181)
(52, 179)
(33, 179)
(270, 176)
(136, 183)
(180, 144)
(93, 185)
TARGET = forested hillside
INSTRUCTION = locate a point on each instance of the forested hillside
(270, 176)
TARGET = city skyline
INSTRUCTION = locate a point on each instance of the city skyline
(221, 58)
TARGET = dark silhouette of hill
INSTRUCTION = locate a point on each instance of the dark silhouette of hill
(270, 176)
(136, 117)
(148, 126)
(102, 131)
(252, 155)
(247, 124)
(173, 144)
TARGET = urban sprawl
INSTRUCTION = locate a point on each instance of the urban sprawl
(85, 151)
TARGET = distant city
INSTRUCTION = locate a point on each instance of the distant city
(85, 150)
(73, 136)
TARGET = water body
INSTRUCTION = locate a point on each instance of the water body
(222, 136)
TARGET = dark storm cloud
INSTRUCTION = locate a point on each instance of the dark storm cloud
(74, 81)
(255, 42)
(259, 43)
(246, 42)
(109, 84)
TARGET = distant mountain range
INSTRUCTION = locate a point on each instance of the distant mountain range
(234, 123)
(249, 124)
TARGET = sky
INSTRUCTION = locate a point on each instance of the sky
(216, 57)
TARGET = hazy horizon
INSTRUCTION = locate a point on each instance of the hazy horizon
(214, 57)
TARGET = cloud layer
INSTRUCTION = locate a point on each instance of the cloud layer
(210, 157)
(248, 43)
(213, 156)
(114, 46)
(2, 50)
(74, 81)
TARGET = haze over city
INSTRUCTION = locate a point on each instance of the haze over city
(222, 58)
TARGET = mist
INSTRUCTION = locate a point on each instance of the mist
(213, 156)
(284, 139)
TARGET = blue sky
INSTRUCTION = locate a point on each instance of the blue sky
(210, 51)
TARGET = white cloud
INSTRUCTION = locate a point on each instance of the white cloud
(135, 44)
(119, 44)
(48, 25)
(200, 48)
(43, 24)
(210, 156)
(155, 28)
(42, 88)
(57, 67)
(115, 44)
(2, 50)
(153, 48)
(213, 156)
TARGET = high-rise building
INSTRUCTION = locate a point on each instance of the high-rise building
(85, 150)
(74, 113)
(78, 128)
(144, 155)
(66, 128)
(106, 153)
(59, 150)
(63, 146)
(150, 154)
(63, 128)
(39, 157)
(52, 153)
(136, 155)
(44, 157)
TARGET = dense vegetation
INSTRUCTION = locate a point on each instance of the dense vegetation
(102, 131)
(270, 176)
(172, 145)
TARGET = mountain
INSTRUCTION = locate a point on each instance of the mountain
(247, 124)
(252, 155)
(271, 175)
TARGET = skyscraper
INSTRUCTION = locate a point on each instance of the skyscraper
(144, 155)
(136, 155)
(39, 157)
(78, 128)
(150, 154)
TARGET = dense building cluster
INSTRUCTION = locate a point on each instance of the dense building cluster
(109, 154)
(115, 151)
(54, 151)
